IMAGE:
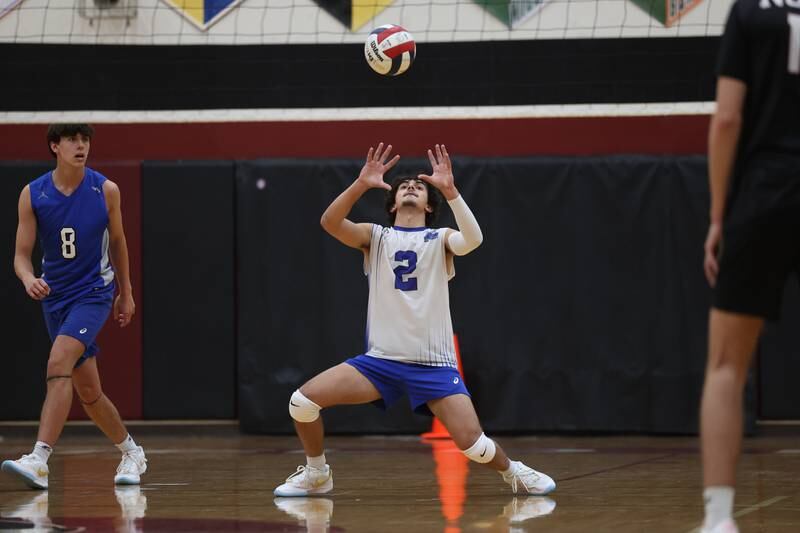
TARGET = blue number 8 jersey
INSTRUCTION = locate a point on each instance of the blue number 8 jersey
(73, 233)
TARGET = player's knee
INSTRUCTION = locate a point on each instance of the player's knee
(58, 365)
(88, 394)
(302, 409)
(482, 451)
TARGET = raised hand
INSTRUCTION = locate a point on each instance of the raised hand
(376, 166)
(442, 175)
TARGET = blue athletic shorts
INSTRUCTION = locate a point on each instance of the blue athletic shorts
(421, 383)
(81, 320)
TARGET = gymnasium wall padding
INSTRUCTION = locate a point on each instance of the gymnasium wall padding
(585, 308)
(779, 361)
(26, 345)
(188, 252)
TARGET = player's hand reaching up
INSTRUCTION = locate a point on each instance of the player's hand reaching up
(442, 176)
(376, 166)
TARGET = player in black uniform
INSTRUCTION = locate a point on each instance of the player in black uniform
(753, 241)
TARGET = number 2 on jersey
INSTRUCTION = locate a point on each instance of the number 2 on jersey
(68, 243)
(410, 259)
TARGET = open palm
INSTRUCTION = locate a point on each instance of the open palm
(376, 166)
(442, 175)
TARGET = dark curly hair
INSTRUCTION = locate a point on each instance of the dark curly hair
(56, 131)
(434, 200)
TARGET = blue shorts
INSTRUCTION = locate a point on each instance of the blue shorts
(422, 383)
(82, 320)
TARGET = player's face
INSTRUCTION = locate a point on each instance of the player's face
(72, 149)
(412, 193)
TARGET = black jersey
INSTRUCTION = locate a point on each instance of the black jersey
(761, 47)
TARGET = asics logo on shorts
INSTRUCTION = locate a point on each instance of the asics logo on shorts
(455, 381)
(83, 330)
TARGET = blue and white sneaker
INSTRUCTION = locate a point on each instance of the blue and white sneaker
(524, 479)
(29, 469)
(131, 467)
(307, 481)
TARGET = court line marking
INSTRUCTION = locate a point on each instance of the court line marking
(747, 510)
(618, 467)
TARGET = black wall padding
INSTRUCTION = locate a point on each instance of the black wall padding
(188, 252)
(516, 72)
(779, 361)
(585, 308)
(26, 346)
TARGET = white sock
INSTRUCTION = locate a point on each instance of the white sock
(127, 445)
(42, 451)
(316, 462)
(512, 467)
(719, 505)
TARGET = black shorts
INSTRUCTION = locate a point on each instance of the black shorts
(760, 245)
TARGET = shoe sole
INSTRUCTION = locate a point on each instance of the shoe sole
(123, 480)
(10, 467)
(547, 491)
(324, 489)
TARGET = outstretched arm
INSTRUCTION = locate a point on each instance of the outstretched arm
(723, 139)
(36, 288)
(469, 235)
(334, 219)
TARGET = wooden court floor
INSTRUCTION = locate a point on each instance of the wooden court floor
(218, 480)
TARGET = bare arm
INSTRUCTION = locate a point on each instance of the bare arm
(36, 288)
(334, 219)
(723, 140)
(124, 306)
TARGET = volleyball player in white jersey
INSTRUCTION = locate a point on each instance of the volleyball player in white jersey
(409, 333)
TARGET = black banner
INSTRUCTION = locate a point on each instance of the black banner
(560, 71)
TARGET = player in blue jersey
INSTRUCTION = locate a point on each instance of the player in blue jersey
(76, 213)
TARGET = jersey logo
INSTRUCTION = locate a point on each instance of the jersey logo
(95, 189)
(431, 235)
(42, 195)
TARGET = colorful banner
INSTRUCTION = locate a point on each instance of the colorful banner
(203, 13)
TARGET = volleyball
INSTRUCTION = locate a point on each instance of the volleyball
(390, 50)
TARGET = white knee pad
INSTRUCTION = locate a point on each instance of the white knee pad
(482, 451)
(302, 409)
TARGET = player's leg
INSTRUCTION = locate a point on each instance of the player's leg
(732, 341)
(32, 468)
(339, 385)
(458, 415)
(104, 414)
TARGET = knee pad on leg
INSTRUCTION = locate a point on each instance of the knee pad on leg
(302, 409)
(482, 451)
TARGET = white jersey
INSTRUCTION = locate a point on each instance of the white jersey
(408, 318)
